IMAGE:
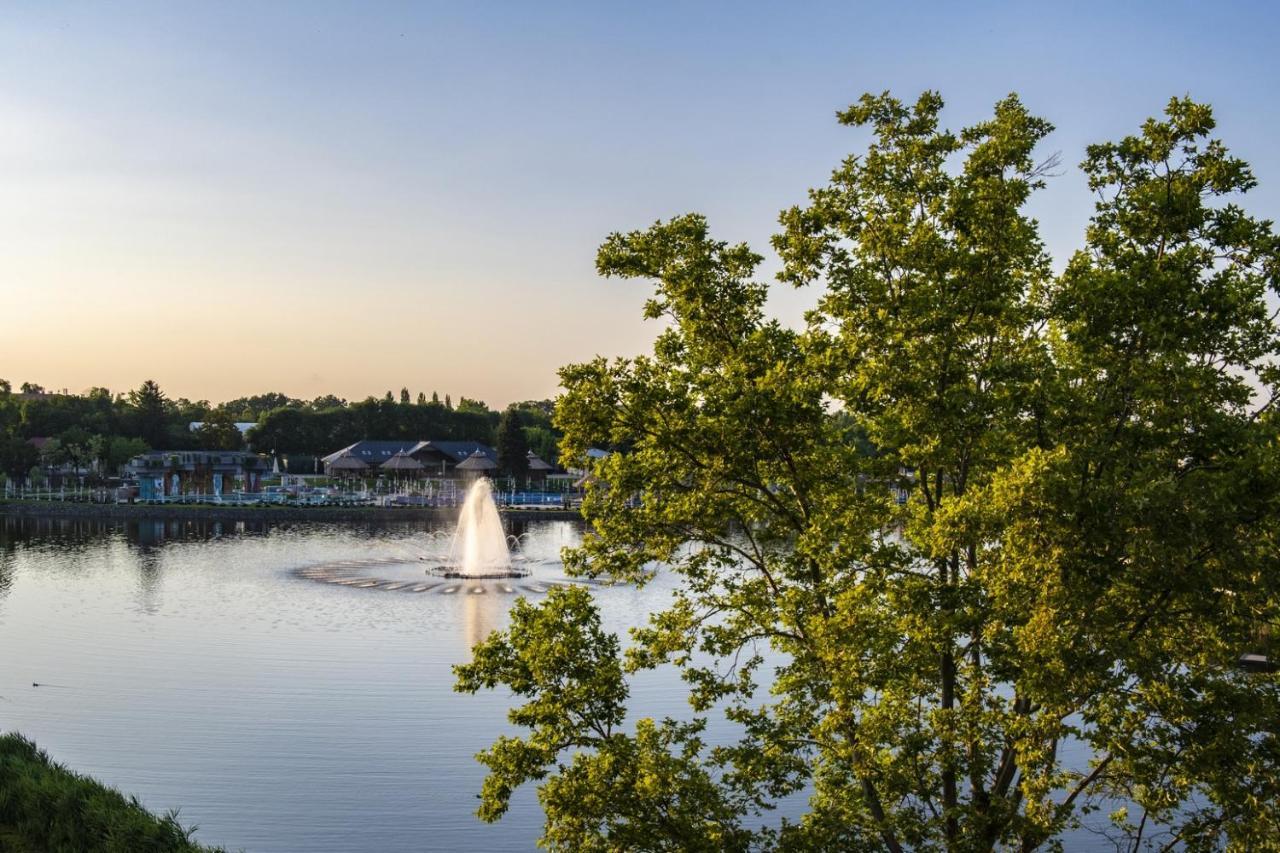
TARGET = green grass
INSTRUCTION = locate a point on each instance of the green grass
(47, 808)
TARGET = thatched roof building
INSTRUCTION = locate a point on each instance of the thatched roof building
(402, 463)
(346, 465)
(476, 465)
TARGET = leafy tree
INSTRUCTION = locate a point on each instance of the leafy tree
(422, 398)
(404, 396)
(448, 403)
(32, 388)
(1087, 546)
(513, 451)
(149, 409)
(435, 398)
(17, 458)
(75, 446)
(254, 407)
(6, 387)
(543, 442)
(219, 432)
(327, 401)
(468, 405)
(389, 397)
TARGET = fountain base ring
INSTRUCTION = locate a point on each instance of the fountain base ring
(454, 574)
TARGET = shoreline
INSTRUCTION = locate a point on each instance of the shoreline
(188, 512)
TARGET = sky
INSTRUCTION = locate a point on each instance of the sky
(348, 198)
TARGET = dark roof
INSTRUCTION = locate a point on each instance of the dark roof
(402, 461)
(536, 463)
(373, 452)
(477, 461)
(347, 462)
(460, 450)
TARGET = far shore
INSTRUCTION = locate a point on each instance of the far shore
(197, 512)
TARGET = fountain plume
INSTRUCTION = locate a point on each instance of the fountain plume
(480, 544)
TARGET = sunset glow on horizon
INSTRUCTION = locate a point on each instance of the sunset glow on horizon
(334, 201)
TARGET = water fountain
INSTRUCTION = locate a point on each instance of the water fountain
(479, 551)
(479, 548)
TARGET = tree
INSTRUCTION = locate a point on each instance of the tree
(422, 398)
(6, 387)
(32, 388)
(254, 407)
(119, 450)
(404, 396)
(513, 450)
(435, 398)
(448, 403)
(1086, 549)
(75, 446)
(327, 401)
(17, 458)
(149, 410)
(468, 405)
(219, 431)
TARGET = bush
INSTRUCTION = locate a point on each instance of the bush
(46, 807)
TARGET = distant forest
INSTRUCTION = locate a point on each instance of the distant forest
(102, 431)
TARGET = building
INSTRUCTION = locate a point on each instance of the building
(438, 458)
(165, 473)
(442, 457)
(476, 465)
(538, 470)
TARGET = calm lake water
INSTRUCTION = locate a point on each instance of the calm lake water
(199, 667)
(287, 687)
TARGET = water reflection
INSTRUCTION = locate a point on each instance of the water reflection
(480, 614)
(279, 714)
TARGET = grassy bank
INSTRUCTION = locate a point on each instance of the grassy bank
(46, 808)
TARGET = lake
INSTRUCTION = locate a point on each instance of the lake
(288, 687)
(214, 668)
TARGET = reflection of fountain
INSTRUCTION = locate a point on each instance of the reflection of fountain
(479, 548)
(480, 614)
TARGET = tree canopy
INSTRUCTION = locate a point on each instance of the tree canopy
(513, 449)
(974, 518)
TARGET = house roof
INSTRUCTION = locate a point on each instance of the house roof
(401, 461)
(375, 453)
(477, 461)
(372, 452)
(346, 462)
(536, 463)
(460, 450)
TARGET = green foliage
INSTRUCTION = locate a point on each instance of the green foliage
(319, 432)
(219, 431)
(620, 792)
(472, 406)
(1092, 470)
(45, 807)
(513, 450)
(17, 457)
(253, 407)
(149, 407)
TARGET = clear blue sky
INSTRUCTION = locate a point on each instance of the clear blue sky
(232, 198)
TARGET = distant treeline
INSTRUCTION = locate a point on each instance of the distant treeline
(305, 430)
(100, 431)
